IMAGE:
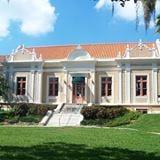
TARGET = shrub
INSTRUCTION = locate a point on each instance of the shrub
(21, 110)
(25, 112)
(89, 112)
(108, 116)
(100, 122)
(30, 118)
(103, 112)
(5, 115)
(13, 120)
(125, 119)
(24, 109)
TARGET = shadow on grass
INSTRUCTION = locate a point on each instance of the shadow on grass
(65, 151)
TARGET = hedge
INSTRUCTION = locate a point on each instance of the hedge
(109, 116)
(103, 112)
(23, 109)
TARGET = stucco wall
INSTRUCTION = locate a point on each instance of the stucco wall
(61, 94)
(141, 99)
(111, 99)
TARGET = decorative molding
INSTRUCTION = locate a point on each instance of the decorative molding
(79, 54)
(21, 51)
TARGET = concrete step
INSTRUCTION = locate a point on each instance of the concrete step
(69, 116)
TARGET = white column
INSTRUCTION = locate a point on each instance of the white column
(128, 84)
(12, 81)
(92, 87)
(39, 89)
(154, 84)
(120, 86)
(86, 88)
(32, 85)
(66, 87)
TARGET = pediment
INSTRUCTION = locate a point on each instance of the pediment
(22, 54)
(79, 54)
(141, 51)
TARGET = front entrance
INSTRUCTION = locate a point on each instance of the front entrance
(78, 91)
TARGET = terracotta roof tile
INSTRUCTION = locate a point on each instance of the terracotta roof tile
(2, 58)
(95, 50)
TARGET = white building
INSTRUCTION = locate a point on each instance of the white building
(106, 74)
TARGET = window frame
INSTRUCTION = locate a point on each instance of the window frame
(142, 88)
(106, 87)
(21, 90)
(53, 87)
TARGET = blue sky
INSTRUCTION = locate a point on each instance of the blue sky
(66, 22)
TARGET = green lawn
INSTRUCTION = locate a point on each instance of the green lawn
(147, 123)
(77, 144)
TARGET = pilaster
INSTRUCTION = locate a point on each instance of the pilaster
(92, 87)
(128, 84)
(39, 89)
(154, 84)
(119, 84)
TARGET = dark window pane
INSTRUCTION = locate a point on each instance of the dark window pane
(109, 79)
(109, 92)
(53, 86)
(141, 85)
(106, 86)
(144, 92)
(144, 84)
(138, 92)
(103, 93)
(103, 79)
(144, 77)
(21, 86)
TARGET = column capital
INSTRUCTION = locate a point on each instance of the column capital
(40, 71)
(32, 71)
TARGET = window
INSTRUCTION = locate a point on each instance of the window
(141, 85)
(106, 86)
(53, 86)
(21, 85)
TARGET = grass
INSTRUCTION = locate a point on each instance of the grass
(77, 144)
(127, 118)
(147, 122)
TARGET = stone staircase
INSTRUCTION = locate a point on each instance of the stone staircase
(69, 115)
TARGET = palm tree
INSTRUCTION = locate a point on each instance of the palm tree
(158, 24)
(148, 7)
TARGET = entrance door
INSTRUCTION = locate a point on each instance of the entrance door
(78, 84)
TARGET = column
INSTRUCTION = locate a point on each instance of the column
(92, 87)
(66, 87)
(39, 89)
(32, 85)
(120, 86)
(128, 84)
(11, 80)
(154, 84)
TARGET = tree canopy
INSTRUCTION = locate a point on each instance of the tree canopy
(4, 88)
(149, 8)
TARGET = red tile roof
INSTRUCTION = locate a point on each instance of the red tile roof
(95, 50)
(2, 58)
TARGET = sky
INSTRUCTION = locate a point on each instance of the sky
(63, 22)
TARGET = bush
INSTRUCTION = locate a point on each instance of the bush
(24, 109)
(108, 116)
(25, 112)
(30, 119)
(13, 120)
(125, 119)
(21, 110)
(5, 115)
(103, 112)
(100, 122)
